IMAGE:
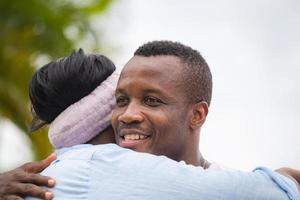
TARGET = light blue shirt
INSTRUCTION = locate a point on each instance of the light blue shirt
(111, 172)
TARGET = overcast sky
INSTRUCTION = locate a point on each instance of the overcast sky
(252, 48)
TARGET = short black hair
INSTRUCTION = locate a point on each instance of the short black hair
(196, 73)
(60, 83)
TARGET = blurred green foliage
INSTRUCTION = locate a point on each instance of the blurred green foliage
(34, 29)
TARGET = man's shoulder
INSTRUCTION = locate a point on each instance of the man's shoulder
(218, 167)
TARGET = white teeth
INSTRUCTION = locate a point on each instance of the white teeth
(127, 137)
(134, 137)
(142, 137)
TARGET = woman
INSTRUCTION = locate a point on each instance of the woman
(75, 95)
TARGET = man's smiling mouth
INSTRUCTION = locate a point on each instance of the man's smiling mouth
(131, 138)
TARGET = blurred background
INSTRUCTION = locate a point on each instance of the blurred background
(252, 48)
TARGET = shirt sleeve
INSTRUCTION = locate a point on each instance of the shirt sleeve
(283, 182)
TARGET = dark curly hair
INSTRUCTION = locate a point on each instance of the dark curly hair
(60, 83)
(196, 73)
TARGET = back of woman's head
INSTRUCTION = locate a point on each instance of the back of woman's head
(61, 83)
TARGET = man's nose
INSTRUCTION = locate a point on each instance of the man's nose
(132, 114)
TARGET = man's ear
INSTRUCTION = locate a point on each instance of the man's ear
(199, 113)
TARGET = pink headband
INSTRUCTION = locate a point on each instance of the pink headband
(86, 118)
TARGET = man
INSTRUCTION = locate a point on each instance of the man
(163, 94)
(154, 115)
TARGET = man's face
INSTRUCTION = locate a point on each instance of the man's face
(151, 113)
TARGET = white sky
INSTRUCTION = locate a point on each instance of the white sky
(253, 50)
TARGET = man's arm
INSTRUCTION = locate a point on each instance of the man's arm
(290, 173)
(24, 181)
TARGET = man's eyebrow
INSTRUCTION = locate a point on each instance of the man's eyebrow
(161, 93)
(151, 90)
(146, 91)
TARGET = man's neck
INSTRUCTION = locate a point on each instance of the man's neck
(191, 154)
(197, 160)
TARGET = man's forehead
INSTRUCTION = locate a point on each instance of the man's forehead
(153, 64)
(152, 73)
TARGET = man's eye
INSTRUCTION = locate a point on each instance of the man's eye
(122, 101)
(152, 101)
